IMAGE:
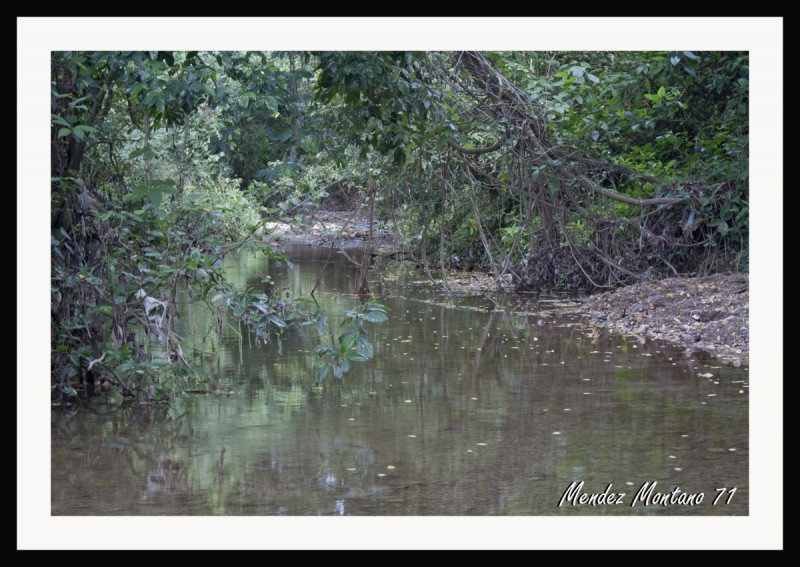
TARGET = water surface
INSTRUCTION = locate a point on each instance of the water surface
(466, 409)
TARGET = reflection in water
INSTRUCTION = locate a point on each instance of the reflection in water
(465, 410)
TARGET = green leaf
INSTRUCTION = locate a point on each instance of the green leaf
(102, 309)
(84, 128)
(364, 347)
(662, 92)
(346, 340)
(58, 120)
(64, 132)
(277, 321)
(137, 88)
(308, 145)
(375, 316)
(124, 367)
(593, 78)
(137, 193)
(355, 357)
(322, 373)
(152, 190)
(69, 390)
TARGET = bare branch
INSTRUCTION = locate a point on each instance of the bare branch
(476, 151)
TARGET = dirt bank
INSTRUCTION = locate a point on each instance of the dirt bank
(343, 229)
(709, 314)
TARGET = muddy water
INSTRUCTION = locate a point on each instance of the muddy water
(465, 410)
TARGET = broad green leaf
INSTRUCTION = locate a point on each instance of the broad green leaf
(64, 132)
(346, 340)
(84, 128)
(137, 193)
(277, 321)
(364, 347)
(137, 88)
(58, 120)
(356, 357)
(375, 316)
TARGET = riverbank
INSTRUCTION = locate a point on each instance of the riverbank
(709, 314)
(342, 229)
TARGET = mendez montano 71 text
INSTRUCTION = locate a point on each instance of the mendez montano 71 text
(646, 495)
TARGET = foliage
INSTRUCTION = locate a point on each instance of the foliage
(353, 343)
(140, 211)
(532, 158)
